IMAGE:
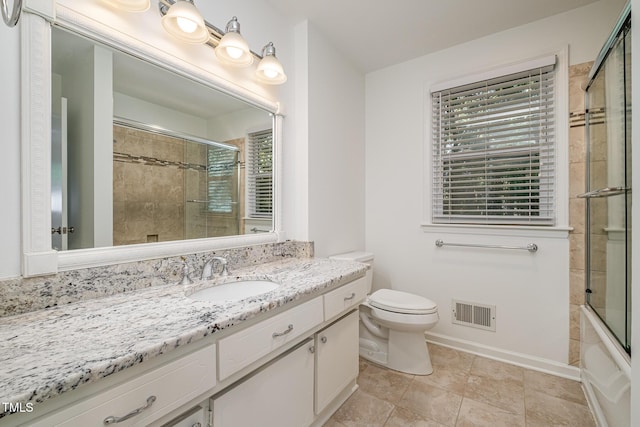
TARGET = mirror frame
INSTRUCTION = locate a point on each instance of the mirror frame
(38, 257)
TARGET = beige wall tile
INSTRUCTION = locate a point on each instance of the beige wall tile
(574, 322)
(577, 215)
(577, 147)
(576, 253)
(577, 183)
(577, 286)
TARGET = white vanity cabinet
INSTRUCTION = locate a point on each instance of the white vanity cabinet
(292, 368)
(336, 359)
(278, 395)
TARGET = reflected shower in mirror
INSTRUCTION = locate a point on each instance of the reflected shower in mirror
(142, 155)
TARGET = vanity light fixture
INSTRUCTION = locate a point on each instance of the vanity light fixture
(232, 48)
(183, 21)
(269, 69)
(130, 5)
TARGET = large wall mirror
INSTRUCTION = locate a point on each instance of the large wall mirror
(143, 155)
(131, 152)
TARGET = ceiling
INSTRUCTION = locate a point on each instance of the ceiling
(377, 34)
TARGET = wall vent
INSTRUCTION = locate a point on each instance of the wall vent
(480, 316)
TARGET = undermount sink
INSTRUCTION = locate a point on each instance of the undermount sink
(234, 291)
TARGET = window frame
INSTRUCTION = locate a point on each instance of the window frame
(252, 172)
(560, 224)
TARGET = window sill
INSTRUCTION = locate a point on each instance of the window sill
(499, 230)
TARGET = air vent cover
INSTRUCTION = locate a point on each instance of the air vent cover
(480, 316)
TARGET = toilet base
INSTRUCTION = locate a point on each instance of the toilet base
(408, 353)
(404, 352)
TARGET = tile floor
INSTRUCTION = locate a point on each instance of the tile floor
(464, 390)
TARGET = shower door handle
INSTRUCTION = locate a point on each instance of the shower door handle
(604, 192)
(63, 230)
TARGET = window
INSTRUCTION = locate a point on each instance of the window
(259, 168)
(494, 150)
(220, 179)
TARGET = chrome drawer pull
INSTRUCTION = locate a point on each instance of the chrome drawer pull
(353, 295)
(115, 420)
(279, 334)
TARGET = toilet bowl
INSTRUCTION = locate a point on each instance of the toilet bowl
(392, 326)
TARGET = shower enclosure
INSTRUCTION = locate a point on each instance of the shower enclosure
(605, 332)
(608, 196)
(170, 186)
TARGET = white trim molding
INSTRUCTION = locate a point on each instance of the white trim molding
(518, 359)
(37, 255)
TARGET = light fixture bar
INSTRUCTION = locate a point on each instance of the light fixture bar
(215, 33)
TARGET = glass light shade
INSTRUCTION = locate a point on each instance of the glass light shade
(234, 50)
(184, 22)
(130, 5)
(270, 71)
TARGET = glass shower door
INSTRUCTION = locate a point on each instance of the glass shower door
(608, 258)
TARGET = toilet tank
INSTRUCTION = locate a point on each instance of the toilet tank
(363, 257)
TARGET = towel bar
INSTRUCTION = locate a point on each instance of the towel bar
(531, 247)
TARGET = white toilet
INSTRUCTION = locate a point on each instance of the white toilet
(392, 325)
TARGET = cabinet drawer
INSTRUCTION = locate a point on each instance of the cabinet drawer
(173, 384)
(340, 300)
(239, 350)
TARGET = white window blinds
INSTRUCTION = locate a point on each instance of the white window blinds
(494, 150)
(259, 167)
(220, 176)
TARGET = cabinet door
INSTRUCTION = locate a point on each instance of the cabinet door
(337, 359)
(281, 395)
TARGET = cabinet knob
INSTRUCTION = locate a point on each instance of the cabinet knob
(323, 340)
(312, 349)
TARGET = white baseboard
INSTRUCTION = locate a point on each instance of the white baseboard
(526, 361)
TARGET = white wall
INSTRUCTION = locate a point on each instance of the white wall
(335, 148)
(237, 124)
(135, 109)
(531, 291)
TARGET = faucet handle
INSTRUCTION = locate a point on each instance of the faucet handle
(186, 280)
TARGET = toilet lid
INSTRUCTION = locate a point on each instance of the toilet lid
(401, 302)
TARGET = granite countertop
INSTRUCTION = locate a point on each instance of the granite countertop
(48, 352)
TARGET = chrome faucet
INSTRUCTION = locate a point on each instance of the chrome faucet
(207, 270)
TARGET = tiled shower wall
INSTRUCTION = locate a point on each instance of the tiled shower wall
(153, 177)
(148, 187)
(578, 78)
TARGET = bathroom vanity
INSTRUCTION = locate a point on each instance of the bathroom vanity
(156, 357)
